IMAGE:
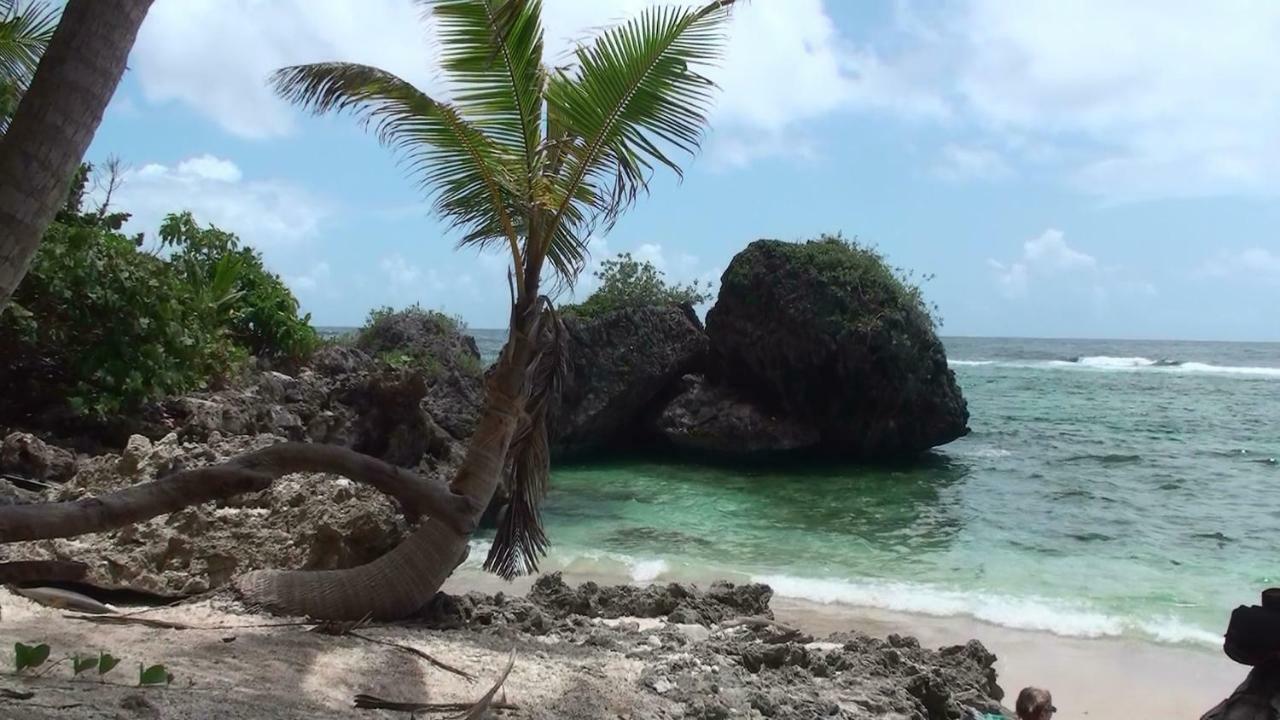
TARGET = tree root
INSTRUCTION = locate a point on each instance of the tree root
(250, 472)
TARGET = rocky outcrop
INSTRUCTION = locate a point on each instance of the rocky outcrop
(302, 521)
(714, 419)
(825, 334)
(707, 663)
(621, 364)
(27, 456)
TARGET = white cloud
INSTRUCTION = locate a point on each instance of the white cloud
(210, 168)
(960, 163)
(1253, 263)
(400, 272)
(265, 213)
(1043, 256)
(1145, 98)
(316, 277)
(785, 62)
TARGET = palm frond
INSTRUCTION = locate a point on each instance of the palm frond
(492, 51)
(520, 540)
(25, 31)
(453, 160)
(633, 100)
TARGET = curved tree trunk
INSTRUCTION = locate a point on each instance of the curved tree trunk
(402, 581)
(55, 122)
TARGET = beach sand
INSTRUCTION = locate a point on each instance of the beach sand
(285, 672)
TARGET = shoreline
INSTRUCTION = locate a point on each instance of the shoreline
(1105, 678)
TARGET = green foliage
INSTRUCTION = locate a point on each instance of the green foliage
(108, 326)
(83, 663)
(845, 265)
(260, 311)
(627, 283)
(107, 663)
(25, 31)
(29, 656)
(154, 675)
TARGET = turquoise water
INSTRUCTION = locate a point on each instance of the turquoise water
(1108, 488)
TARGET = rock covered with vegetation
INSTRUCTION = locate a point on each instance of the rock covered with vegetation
(827, 334)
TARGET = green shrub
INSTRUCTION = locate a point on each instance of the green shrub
(627, 283)
(262, 313)
(106, 326)
(889, 296)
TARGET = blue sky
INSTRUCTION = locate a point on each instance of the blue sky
(1088, 169)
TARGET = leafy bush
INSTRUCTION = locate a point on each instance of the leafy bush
(627, 283)
(262, 314)
(106, 326)
(890, 296)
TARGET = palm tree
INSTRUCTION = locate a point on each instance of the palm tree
(531, 160)
(25, 31)
(527, 159)
(54, 123)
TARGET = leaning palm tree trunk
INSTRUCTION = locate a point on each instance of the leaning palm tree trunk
(55, 122)
(401, 582)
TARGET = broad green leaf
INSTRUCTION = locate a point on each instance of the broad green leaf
(154, 675)
(107, 663)
(80, 664)
(29, 656)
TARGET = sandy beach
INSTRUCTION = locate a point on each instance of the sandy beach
(233, 667)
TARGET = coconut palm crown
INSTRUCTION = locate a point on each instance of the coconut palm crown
(531, 159)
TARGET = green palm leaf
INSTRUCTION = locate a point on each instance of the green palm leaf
(633, 99)
(492, 52)
(25, 31)
(456, 163)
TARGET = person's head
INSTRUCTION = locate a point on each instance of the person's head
(1035, 704)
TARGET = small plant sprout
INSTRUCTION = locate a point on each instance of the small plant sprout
(29, 656)
(154, 675)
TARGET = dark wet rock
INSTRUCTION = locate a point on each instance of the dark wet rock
(823, 334)
(27, 456)
(621, 364)
(719, 420)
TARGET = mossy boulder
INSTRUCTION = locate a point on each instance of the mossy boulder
(827, 334)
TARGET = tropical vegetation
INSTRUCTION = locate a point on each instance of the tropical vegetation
(109, 325)
(625, 282)
(25, 31)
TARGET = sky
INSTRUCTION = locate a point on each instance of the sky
(1088, 169)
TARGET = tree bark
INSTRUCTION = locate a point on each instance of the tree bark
(244, 473)
(55, 122)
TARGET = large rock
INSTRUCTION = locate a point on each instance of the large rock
(28, 456)
(718, 420)
(825, 334)
(622, 363)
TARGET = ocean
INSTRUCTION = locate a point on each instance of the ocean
(1109, 488)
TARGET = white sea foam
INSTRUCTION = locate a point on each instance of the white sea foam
(1128, 364)
(1057, 617)
(648, 570)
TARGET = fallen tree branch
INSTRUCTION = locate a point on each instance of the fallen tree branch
(250, 472)
(373, 702)
(415, 651)
(41, 571)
